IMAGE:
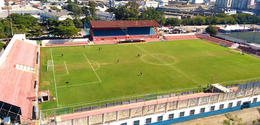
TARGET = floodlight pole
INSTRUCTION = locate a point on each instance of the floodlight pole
(10, 21)
(254, 37)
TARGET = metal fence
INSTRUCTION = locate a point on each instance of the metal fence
(135, 99)
(109, 103)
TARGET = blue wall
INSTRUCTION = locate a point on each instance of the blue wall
(187, 118)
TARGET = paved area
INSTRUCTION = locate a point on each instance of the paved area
(247, 115)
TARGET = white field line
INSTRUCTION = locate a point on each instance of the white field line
(66, 68)
(54, 80)
(78, 84)
(167, 65)
(68, 54)
(92, 68)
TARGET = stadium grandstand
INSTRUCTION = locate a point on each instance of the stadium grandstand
(17, 74)
(123, 31)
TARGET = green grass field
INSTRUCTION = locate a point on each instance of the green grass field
(246, 36)
(96, 75)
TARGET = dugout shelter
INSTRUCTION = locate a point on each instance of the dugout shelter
(123, 31)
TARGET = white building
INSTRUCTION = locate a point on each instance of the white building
(223, 3)
(106, 16)
(197, 1)
(163, 2)
(147, 4)
(2, 3)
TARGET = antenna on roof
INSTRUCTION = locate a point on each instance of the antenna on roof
(10, 21)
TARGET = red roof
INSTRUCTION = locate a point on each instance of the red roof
(15, 84)
(119, 24)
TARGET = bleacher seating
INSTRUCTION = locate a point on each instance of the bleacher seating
(216, 40)
(141, 31)
(249, 50)
(102, 33)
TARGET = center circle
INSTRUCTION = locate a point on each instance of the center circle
(158, 59)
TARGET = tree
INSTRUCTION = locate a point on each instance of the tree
(53, 3)
(92, 9)
(67, 22)
(78, 23)
(126, 13)
(173, 21)
(2, 45)
(152, 14)
(199, 20)
(132, 5)
(212, 30)
(111, 9)
(87, 19)
(85, 10)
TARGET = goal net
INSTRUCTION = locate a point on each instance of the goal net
(49, 64)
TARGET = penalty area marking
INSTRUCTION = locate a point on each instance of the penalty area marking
(96, 63)
(92, 68)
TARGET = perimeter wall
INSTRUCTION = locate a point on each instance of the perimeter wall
(181, 110)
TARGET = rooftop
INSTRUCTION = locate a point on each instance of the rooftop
(119, 24)
(16, 83)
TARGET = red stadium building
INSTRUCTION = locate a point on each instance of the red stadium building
(123, 31)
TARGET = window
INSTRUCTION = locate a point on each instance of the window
(192, 112)
(254, 100)
(202, 110)
(238, 103)
(212, 108)
(171, 116)
(136, 122)
(181, 114)
(148, 120)
(230, 105)
(159, 118)
(221, 106)
(124, 124)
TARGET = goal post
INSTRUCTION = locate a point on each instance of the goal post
(50, 64)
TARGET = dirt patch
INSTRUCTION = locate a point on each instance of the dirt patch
(59, 67)
(45, 83)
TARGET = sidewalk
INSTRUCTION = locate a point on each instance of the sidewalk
(247, 115)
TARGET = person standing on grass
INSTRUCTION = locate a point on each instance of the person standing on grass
(61, 55)
(141, 73)
(139, 55)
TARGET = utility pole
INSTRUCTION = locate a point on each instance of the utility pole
(10, 21)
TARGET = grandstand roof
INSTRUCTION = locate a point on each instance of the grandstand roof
(119, 24)
(15, 84)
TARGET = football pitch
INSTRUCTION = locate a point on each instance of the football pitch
(248, 36)
(103, 72)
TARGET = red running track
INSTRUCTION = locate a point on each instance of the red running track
(15, 84)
